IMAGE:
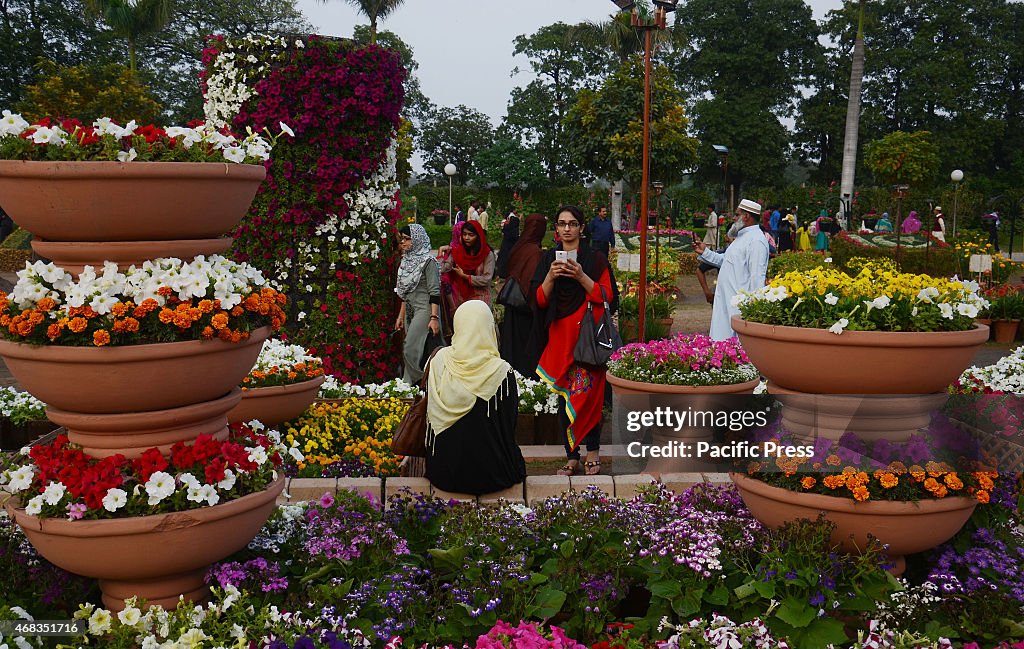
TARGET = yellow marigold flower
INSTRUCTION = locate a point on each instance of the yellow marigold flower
(833, 460)
(861, 493)
(834, 481)
(78, 325)
(953, 482)
(808, 482)
(100, 338)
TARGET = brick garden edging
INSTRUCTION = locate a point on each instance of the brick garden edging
(534, 489)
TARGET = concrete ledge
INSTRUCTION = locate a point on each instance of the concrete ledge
(514, 494)
(602, 482)
(532, 491)
(541, 487)
(626, 485)
(307, 489)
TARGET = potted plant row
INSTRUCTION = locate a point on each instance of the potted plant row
(1006, 311)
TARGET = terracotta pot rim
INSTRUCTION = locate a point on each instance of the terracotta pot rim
(662, 388)
(72, 247)
(131, 421)
(123, 353)
(130, 526)
(110, 169)
(850, 506)
(281, 390)
(922, 339)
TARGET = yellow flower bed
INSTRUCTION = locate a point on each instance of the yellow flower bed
(356, 429)
(876, 299)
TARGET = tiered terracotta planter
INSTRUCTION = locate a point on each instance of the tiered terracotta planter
(817, 361)
(277, 404)
(154, 557)
(906, 527)
(127, 399)
(162, 208)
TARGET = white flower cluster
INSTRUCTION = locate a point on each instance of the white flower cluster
(279, 354)
(235, 72)
(233, 149)
(214, 277)
(20, 406)
(536, 397)
(1005, 375)
(360, 235)
(395, 388)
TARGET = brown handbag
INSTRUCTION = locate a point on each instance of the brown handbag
(411, 433)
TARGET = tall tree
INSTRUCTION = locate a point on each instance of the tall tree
(132, 19)
(536, 111)
(605, 128)
(852, 120)
(374, 10)
(744, 62)
(454, 135)
(820, 118)
(509, 165)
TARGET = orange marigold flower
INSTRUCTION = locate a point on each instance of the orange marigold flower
(237, 336)
(206, 306)
(181, 320)
(78, 324)
(860, 493)
(119, 310)
(833, 460)
(953, 481)
(46, 304)
(166, 316)
(888, 480)
(849, 470)
(100, 337)
(917, 473)
(165, 291)
(224, 334)
(195, 313)
(53, 331)
(207, 332)
(931, 484)
(219, 321)
(131, 325)
(25, 328)
(985, 482)
(808, 482)
(237, 311)
(36, 317)
(5, 320)
(118, 326)
(982, 496)
(834, 481)
(898, 467)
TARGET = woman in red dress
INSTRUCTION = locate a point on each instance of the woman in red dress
(562, 290)
(470, 268)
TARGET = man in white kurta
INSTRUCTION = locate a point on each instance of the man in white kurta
(742, 267)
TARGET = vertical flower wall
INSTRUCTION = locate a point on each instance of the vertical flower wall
(320, 227)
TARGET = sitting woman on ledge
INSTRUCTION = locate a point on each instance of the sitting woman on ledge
(472, 408)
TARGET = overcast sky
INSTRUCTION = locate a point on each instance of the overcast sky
(464, 47)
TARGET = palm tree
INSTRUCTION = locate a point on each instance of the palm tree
(374, 10)
(853, 116)
(131, 19)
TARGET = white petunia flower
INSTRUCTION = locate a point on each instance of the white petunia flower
(115, 499)
(34, 506)
(159, 486)
(881, 302)
(127, 156)
(838, 327)
(20, 479)
(831, 299)
(99, 621)
(234, 154)
(946, 310)
(130, 616)
(53, 493)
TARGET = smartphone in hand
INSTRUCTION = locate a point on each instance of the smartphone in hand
(561, 255)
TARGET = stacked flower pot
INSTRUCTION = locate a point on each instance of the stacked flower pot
(129, 398)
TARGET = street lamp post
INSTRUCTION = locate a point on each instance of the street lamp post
(661, 9)
(723, 153)
(956, 176)
(847, 204)
(451, 171)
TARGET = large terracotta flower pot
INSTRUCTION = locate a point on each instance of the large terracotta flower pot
(131, 434)
(817, 361)
(133, 201)
(156, 557)
(73, 256)
(132, 378)
(907, 527)
(631, 396)
(276, 404)
(1005, 331)
(870, 416)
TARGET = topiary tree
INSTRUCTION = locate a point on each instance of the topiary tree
(903, 158)
(86, 92)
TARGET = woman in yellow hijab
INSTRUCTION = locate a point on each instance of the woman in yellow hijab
(472, 408)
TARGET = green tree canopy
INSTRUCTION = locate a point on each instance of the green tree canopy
(87, 92)
(903, 158)
(605, 127)
(508, 164)
(132, 19)
(454, 135)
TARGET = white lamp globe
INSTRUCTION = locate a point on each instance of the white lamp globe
(450, 169)
(956, 176)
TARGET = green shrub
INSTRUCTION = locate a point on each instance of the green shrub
(935, 260)
(798, 261)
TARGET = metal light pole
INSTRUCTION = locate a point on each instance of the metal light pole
(956, 176)
(451, 171)
(662, 7)
(723, 153)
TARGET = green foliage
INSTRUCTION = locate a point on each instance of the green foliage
(87, 92)
(798, 261)
(508, 164)
(454, 135)
(935, 261)
(132, 19)
(903, 158)
(606, 129)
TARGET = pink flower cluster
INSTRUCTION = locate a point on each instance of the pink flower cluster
(697, 351)
(525, 636)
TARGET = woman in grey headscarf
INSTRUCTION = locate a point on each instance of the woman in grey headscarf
(419, 287)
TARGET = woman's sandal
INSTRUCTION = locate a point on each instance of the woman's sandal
(593, 468)
(570, 468)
